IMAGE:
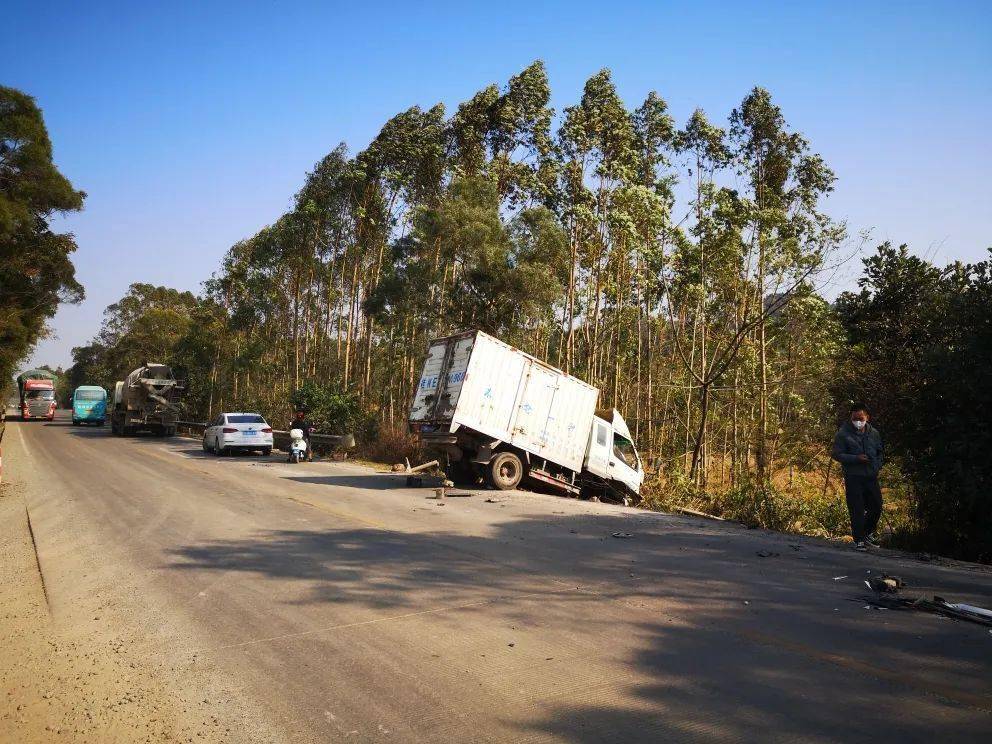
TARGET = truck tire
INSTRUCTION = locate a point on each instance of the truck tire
(505, 471)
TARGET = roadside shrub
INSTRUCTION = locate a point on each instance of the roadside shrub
(393, 444)
(334, 412)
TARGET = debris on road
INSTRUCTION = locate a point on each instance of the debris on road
(622, 535)
(767, 554)
(694, 513)
(495, 500)
(938, 606)
(419, 468)
(838, 578)
(971, 609)
(885, 583)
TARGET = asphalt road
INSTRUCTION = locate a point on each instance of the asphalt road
(326, 602)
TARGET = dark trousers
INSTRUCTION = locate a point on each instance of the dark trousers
(864, 502)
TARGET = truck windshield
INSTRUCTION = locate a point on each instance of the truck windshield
(40, 394)
(624, 449)
(89, 395)
(248, 418)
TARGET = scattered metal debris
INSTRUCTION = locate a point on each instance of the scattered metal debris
(971, 609)
(938, 606)
(838, 578)
(418, 468)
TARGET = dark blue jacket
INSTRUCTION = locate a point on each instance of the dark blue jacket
(849, 443)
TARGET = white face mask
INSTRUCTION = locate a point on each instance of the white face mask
(859, 425)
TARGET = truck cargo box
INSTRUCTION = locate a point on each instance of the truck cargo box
(475, 381)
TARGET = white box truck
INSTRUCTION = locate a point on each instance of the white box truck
(491, 409)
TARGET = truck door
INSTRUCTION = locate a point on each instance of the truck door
(530, 428)
(600, 448)
(625, 465)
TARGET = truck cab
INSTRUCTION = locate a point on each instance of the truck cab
(38, 400)
(89, 405)
(610, 453)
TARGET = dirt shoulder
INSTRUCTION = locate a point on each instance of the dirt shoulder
(57, 686)
(78, 675)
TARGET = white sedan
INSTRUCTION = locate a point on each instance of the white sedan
(230, 432)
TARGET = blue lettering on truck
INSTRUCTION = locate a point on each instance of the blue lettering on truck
(429, 383)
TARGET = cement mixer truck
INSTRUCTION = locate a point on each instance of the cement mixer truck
(146, 400)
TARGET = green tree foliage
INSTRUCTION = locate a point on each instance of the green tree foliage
(36, 273)
(145, 326)
(919, 352)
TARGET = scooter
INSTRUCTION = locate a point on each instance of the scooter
(297, 446)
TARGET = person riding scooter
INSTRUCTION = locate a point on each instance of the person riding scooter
(300, 422)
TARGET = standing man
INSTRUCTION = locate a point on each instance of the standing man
(858, 448)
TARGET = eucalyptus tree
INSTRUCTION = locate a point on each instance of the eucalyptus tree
(789, 236)
(597, 138)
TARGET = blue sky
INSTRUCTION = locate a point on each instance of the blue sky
(191, 125)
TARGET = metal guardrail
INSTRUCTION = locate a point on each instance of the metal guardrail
(280, 438)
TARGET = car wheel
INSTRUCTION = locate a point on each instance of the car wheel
(75, 422)
(266, 451)
(506, 471)
(204, 445)
(218, 450)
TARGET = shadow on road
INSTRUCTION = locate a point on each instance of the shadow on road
(718, 643)
(88, 431)
(370, 482)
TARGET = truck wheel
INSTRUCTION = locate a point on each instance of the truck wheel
(506, 471)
